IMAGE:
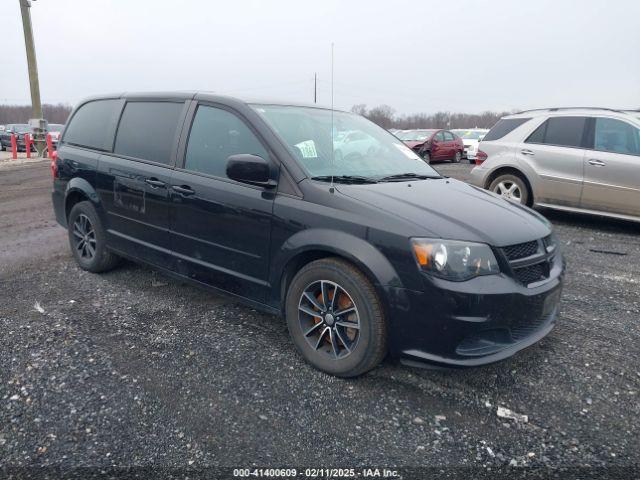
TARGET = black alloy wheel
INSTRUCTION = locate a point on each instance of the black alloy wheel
(335, 318)
(329, 318)
(85, 237)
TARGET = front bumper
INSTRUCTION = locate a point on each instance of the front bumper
(465, 324)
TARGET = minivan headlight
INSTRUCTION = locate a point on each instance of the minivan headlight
(454, 260)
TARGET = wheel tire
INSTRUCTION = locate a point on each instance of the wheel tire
(1, 147)
(457, 157)
(369, 347)
(102, 259)
(426, 156)
(504, 183)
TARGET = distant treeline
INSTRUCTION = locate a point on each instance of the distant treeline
(383, 115)
(22, 113)
(386, 117)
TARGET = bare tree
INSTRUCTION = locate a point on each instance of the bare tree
(21, 113)
(359, 109)
(385, 116)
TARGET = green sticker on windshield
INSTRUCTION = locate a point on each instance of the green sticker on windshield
(307, 148)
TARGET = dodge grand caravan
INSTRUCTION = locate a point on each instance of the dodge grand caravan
(366, 253)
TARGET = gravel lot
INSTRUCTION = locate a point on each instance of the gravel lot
(131, 368)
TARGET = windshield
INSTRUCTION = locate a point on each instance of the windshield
(360, 147)
(21, 128)
(470, 134)
(415, 135)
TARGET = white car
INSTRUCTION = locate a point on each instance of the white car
(55, 130)
(471, 138)
(354, 143)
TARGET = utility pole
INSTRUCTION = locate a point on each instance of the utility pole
(315, 88)
(37, 123)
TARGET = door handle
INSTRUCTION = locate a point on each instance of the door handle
(526, 151)
(183, 190)
(597, 163)
(154, 182)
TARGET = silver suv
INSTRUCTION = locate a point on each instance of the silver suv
(576, 159)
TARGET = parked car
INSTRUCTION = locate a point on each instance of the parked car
(55, 130)
(433, 144)
(577, 159)
(354, 143)
(470, 139)
(376, 253)
(19, 129)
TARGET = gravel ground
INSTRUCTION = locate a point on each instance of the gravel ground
(130, 368)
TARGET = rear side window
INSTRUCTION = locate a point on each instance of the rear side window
(565, 131)
(147, 130)
(89, 126)
(503, 127)
(562, 131)
(215, 135)
(448, 136)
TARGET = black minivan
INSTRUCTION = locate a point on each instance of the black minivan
(312, 213)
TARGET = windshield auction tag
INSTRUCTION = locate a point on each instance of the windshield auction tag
(308, 149)
(407, 152)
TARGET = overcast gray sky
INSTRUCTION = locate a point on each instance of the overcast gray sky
(416, 56)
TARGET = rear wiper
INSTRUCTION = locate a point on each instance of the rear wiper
(345, 179)
(407, 176)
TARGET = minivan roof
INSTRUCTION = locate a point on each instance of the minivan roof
(200, 95)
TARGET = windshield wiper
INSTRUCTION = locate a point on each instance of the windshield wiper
(407, 176)
(345, 179)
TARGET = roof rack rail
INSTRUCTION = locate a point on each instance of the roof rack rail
(555, 109)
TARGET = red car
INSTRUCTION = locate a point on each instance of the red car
(433, 145)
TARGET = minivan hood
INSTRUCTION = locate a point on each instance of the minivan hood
(452, 209)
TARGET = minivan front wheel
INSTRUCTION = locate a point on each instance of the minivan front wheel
(335, 318)
(511, 187)
(87, 239)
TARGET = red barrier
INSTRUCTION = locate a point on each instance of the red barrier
(27, 144)
(49, 146)
(14, 147)
(54, 163)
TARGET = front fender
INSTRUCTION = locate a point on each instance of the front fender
(325, 241)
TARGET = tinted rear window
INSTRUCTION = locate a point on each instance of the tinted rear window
(504, 126)
(562, 131)
(89, 126)
(147, 130)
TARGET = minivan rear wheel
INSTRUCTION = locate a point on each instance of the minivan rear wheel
(511, 187)
(87, 239)
(335, 318)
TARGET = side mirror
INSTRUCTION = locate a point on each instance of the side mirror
(250, 169)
